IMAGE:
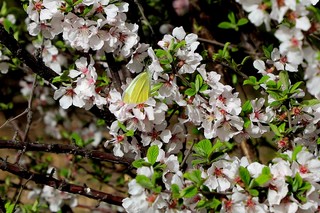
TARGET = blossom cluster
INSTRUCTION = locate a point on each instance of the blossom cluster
(288, 184)
(294, 24)
(91, 25)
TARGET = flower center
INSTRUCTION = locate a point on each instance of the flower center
(295, 42)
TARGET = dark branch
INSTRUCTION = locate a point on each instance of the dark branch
(37, 66)
(2, 208)
(63, 148)
(60, 184)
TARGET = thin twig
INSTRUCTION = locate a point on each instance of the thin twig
(18, 131)
(29, 115)
(187, 155)
(20, 192)
(247, 151)
(29, 120)
(214, 42)
(143, 16)
(12, 119)
(63, 148)
(61, 184)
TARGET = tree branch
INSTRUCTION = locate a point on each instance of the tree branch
(63, 148)
(60, 184)
(37, 66)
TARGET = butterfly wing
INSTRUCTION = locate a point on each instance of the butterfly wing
(139, 89)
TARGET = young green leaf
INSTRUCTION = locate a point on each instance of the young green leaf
(175, 191)
(226, 25)
(138, 163)
(144, 181)
(194, 176)
(244, 175)
(189, 192)
(275, 129)
(232, 17)
(152, 154)
(242, 21)
(284, 79)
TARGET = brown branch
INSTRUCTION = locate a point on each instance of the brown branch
(60, 184)
(37, 66)
(63, 148)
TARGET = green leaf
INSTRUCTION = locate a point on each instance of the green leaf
(77, 139)
(7, 25)
(156, 87)
(70, 2)
(264, 79)
(217, 145)
(276, 104)
(204, 87)
(202, 204)
(130, 133)
(264, 177)
(306, 186)
(302, 198)
(9, 207)
(297, 182)
(245, 59)
(275, 129)
(87, 9)
(189, 192)
(284, 79)
(310, 102)
(35, 206)
(267, 50)
(246, 123)
(62, 78)
(247, 107)
(295, 86)
(152, 154)
(242, 21)
(250, 81)
(194, 176)
(190, 92)
(282, 127)
(138, 163)
(296, 150)
(144, 181)
(198, 161)
(175, 191)
(3, 11)
(203, 147)
(254, 192)
(77, 2)
(180, 44)
(227, 25)
(122, 126)
(100, 122)
(244, 175)
(215, 203)
(232, 17)
(199, 82)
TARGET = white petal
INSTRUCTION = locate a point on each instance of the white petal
(65, 101)
(179, 33)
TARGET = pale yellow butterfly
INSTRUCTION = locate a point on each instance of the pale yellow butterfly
(138, 90)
